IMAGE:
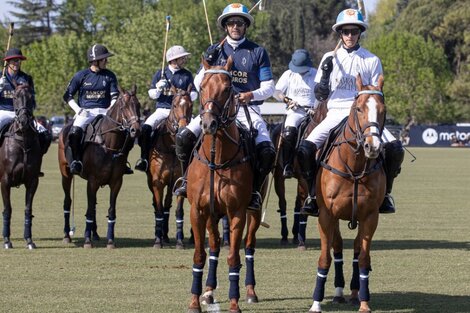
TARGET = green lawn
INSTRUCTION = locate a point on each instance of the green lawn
(420, 255)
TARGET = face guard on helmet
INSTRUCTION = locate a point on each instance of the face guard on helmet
(98, 52)
(350, 17)
(235, 9)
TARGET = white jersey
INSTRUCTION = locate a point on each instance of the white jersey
(298, 87)
(346, 66)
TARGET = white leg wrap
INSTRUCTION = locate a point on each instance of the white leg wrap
(339, 292)
(316, 307)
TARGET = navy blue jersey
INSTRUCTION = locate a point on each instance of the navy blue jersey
(251, 66)
(95, 89)
(180, 79)
(6, 96)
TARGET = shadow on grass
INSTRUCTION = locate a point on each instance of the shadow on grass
(414, 302)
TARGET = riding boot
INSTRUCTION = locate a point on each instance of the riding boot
(75, 142)
(45, 139)
(265, 155)
(289, 136)
(394, 155)
(308, 166)
(184, 145)
(142, 164)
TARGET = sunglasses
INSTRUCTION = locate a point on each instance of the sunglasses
(350, 31)
(236, 22)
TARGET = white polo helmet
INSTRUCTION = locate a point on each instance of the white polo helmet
(350, 17)
(176, 52)
(235, 9)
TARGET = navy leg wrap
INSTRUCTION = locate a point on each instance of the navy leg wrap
(213, 263)
(339, 275)
(166, 220)
(364, 294)
(284, 230)
(28, 223)
(355, 276)
(179, 228)
(234, 278)
(302, 227)
(159, 221)
(250, 267)
(196, 288)
(88, 228)
(6, 225)
(110, 234)
(319, 292)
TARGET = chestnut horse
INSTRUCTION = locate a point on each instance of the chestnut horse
(300, 221)
(351, 186)
(165, 168)
(219, 182)
(107, 143)
(20, 162)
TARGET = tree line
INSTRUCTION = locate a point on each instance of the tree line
(423, 44)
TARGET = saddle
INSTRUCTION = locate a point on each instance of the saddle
(327, 148)
(91, 132)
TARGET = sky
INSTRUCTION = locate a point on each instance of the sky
(5, 7)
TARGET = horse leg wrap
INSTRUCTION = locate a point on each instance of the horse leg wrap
(319, 292)
(179, 228)
(234, 278)
(212, 274)
(364, 294)
(302, 227)
(339, 275)
(196, 288)
(111, 224)
(355, 276)
(159, 221)
(88, 228)
(28, 224)
(6, 225)
(250, 267)
(166, 221)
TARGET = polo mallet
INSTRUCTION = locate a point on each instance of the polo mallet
(207, 21)
(10, 34)
(279, 96)
(166, 40)
(72, 230)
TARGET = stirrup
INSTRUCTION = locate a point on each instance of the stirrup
(181, 190)
(256, 201)
(128, 170)
(310, 206)
(288, 171)
(141, 165)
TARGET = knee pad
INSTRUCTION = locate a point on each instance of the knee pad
(184, 143)
(265, 154)
(289, 133)
(394, 155)
(76, 132)
(306, 156)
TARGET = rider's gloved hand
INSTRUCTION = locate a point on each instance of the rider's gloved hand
(211, 55)
(162, 84)
(327, 67)
(245, 97)
(2, 83)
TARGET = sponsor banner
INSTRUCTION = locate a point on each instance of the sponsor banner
(439, 136)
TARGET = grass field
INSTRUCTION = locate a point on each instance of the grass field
(420, 255)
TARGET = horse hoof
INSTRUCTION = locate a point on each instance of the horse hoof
(252, 299)
(8, 245)
(194, 311)
(66, 240)
(284, 242)
(207, 300)
(301, 246)
(158, 245)
(88, 245)
(235, 311)
(31, 246)
(295, 241)
(226, 245)
(339, 300)
(365, 311)
(354, 301)
(179, 245)
(166, 239)
(96, 237)
(111, 246)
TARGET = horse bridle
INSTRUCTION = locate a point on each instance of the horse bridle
(124, 123)
(224, 119)
(172, 120)
(24, 113)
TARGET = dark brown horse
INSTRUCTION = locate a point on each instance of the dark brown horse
(20, 162)
(351, 186)
(165, 168)
(108, 141)
(300, 220)
(219, 183)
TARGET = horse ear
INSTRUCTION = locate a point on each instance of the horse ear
(358, 82)
(120, 90)
(205, 64)
(381, 82)
(134, 89)
(229, 64)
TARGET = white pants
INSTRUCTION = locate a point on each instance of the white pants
(7, 116)
(295, 116)
(258, 123)
(334, 116)
(157, 116)
(85, 116)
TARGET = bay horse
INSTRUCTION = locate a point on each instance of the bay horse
(351, 186)
(299, 225)
(165, 169)
(108, 140)
(20, 162)
(219, 183)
